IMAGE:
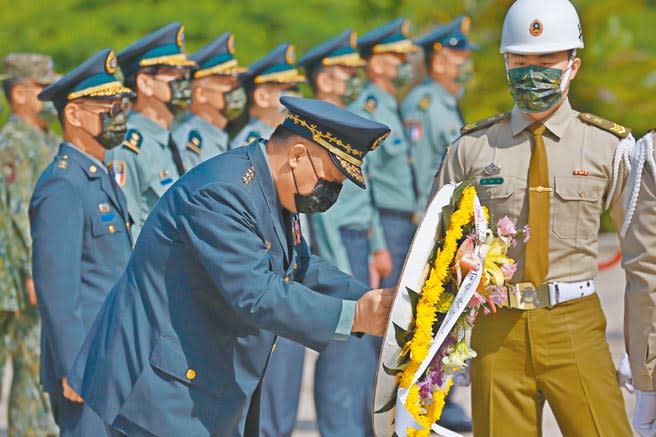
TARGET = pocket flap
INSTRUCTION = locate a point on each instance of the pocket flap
(577, 188)
(501, 191)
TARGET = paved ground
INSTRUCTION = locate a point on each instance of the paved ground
(611, 289)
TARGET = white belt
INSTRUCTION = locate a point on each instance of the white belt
(526, 296)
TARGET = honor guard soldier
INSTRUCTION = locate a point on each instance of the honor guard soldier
(640, 264)
(80, 228)
(555, 169)
(431, 112)
(390, 170)
(217, 98)
(342, 235)
(26, 148)
(222, 268)
(268, 79)
(149, 160)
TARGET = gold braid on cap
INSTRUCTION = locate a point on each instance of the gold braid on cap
(228, 67)
(353, 170)
(103, 90)
(328, 140)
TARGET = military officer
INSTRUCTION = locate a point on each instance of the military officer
(220, 270)
(343, 399)
(217, 98)
(546, 165)
(431, 112)
(267, 80)
(639, 263)
(26, 148)
(80, 228)
(149, 160)
(390, 169)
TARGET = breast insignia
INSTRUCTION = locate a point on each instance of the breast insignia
(425, 102)
(609, 126)
(370, 105)
(194, 142)
(133, 139)
(484, 123)
(248, 176)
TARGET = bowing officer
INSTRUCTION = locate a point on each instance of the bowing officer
(80, 228)
(431, 112)
(217, 98)
(389, 169)
(345, 235)
(220, 270)
(267, 80)
(546, 165)
(149, 160)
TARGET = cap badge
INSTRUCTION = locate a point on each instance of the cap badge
(290, 55)
(536, 28)
(353, 40)
(231, 44)
(180, 37)
(110, 63)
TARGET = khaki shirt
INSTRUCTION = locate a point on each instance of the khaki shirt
(580, 159)
(639, 261)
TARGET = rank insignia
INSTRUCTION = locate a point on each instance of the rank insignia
(415, 130)
(579, 172)
(254, 135)
(248, 176)
(296, 229)
(62, 164)
(133, 139)
(164, 178)
(425, 102)
(194, 142)
(103, 208)
(120, 170)
(371, 104)
(492, 170)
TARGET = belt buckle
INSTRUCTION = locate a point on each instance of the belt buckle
(526, 296)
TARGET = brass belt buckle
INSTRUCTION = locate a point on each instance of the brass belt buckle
(526, 296)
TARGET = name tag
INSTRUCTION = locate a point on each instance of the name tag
(491, 181)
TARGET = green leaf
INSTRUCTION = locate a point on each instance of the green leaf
(414, 301)
(389, 405)
(401, 335)
(390, 371)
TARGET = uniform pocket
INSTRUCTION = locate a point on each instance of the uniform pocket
(577, 207)
(504, 199)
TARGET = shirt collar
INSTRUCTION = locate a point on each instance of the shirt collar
(384, 98)
(83, 158)
(148, 127)
(556, 124)
(448, 98)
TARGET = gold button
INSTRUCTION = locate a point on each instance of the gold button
(267, 245)
(581, 194)
(128, 225)
(111, 229)
(93, 169)
(191, 374)
(286, 278)
(273, 348)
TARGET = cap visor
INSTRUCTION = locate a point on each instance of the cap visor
(353, 172)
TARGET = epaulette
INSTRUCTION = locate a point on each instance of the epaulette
(252, 136)
(425, 102)
(609, 126)
(484, 123)
(194, 142)
(132, 141)
(62, 163)
(370, 105)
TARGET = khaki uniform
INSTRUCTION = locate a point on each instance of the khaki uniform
(640, 265)
(555, 354)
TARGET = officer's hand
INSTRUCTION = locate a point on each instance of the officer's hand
(372, 311)
(382, 261)
(374, 277)
(644, 418)
(69, 393)
(624, 376)
(31, 291)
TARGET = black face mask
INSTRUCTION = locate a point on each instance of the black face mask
(323, 195)
(114, 126)
(180, 95)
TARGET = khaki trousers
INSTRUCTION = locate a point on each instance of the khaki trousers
(559, 355)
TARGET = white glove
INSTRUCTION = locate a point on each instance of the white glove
(644, 418)
(462, 378)
(624, 376)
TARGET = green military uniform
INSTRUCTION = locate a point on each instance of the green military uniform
(24, 152)
(558, 351)
(432, 119)
(199, 140)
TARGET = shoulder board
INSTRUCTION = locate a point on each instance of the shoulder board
(609, 126)
(252, 136)
(425, 102)
(370, 104)
(132, 141)
(194, 142)
(484, 123)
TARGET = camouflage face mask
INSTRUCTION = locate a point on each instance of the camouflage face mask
(354, 86)
(114, 126)
(535, 89)
(235, 103)
(180, 95)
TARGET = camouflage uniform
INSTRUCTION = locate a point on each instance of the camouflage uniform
(24, 153)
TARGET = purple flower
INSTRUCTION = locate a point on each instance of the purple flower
(506, 227)
(527, 234)
(508, 270)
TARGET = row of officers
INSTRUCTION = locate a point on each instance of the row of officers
(172, 116)
(174, 337)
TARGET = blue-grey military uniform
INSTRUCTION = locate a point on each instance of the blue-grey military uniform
(181, 345)
(282, 383)
(431, 114)
(145, 164)
(345, 235)
(81, 245)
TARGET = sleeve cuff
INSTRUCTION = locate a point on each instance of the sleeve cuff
(346, 319)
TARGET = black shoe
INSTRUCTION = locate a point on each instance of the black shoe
(454, 418)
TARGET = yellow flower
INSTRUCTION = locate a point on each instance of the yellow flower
(495, 259)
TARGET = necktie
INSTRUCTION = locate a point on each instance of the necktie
(300, 250)
(177, 159)
(539, 203)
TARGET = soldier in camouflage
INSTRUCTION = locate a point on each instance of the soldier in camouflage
(26, 148)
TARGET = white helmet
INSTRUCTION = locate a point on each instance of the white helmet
(541, 26)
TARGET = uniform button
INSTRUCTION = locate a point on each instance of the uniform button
(128, 225)
(111, 229)
(581, 194)
(191, 374)
(267, 245)
(273, 348)
(93, 169)
(286, 278)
